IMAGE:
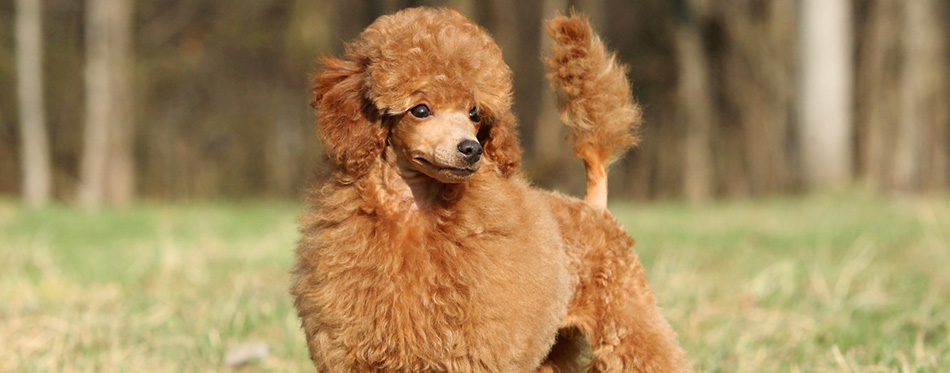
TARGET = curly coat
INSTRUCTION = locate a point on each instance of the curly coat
(399, 273)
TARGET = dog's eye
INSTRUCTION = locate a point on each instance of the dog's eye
(420, 111)
(473, 116)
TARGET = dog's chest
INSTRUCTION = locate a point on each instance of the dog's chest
(434, 300)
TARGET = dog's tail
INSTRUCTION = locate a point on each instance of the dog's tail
(594, 99)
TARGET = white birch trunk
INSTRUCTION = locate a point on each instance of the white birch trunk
(34, 156)
(825, 114)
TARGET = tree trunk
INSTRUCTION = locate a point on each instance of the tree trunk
(918, 88)
(35, 154)
(696, 107)
(107, 170)
(595, 10)
(878, 106)
(549, 133)
(467, 7)
(826, 89)
(350, 18)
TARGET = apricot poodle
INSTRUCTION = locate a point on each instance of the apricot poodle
(427, 250)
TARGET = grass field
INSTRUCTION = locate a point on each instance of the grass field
(840, 282)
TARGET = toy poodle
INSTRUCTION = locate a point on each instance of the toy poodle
(427, 250)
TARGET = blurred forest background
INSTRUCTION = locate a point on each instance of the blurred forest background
(106, 101)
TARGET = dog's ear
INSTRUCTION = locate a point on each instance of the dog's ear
(349, 125)
(500, 141)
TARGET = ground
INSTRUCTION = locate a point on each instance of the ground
(832, 282)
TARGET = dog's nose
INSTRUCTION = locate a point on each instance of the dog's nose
(471, 150)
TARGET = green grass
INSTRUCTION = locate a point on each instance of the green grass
(835, 282)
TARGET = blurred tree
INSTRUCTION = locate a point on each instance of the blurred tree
(758, 92)
(826, 92)
(351, 17)
(595, 10)
(107, 169)
(465, 6)
(923, 76)
(548, 135)
(876, 90)
(221, 100)
(34, 157)
(903, 122)
(695, 103)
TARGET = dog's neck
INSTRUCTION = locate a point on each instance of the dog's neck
(411, 185)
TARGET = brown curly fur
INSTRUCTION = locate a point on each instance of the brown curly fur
(594, 96)
(483, 273)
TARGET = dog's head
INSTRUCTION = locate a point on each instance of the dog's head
(428, 82)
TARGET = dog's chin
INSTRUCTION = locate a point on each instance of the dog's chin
(445, 173)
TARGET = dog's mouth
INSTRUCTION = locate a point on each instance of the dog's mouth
(446, 173)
